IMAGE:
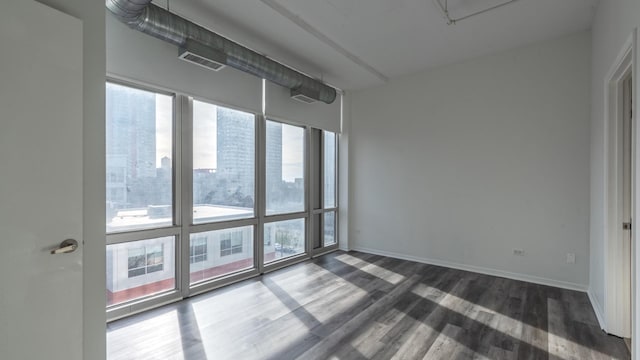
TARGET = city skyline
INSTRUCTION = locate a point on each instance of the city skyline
(292, 161)
(140, 149)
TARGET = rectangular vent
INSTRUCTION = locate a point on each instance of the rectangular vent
(304, 95)
(202, 55)
(303, 98)
(199, 60)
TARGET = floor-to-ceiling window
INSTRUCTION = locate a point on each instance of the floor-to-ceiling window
(284, 232)
(223, 217)
(201, 194)
(141, 227)
(328, 188)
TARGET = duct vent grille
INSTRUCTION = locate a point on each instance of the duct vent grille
(198, 60)
(201, 55)
(304, 96)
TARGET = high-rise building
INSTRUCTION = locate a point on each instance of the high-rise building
(130, 139)
(274, 155)
(236, 150)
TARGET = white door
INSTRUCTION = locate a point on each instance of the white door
(627, 197)
(40, 182)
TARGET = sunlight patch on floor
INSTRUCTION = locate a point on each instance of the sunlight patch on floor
(236, 327)
(340, 302)
(147, 340)
(372, 269)
(229, 306)
(556, 346)
(366, 340)
(342, 295)
(447, 347)
(304, 271)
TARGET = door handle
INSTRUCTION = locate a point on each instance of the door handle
(66, 246)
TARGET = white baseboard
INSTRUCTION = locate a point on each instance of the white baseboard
(477, 269)
(597, 309)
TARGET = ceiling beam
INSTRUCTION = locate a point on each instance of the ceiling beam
(296, 19)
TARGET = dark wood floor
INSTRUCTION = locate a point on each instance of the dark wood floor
(360, 306)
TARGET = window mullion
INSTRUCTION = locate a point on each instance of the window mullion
(261, 160)
(124, 237)
(312, 186)
(185, 122)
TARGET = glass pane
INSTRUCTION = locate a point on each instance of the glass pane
(139, 150)
(317, 234)
(283, 239)
(329, 228)
(223, 163)
(316, 167)
(221, 252)
(284, 168)
(140, 268)
(329, 169)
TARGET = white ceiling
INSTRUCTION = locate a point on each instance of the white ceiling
(355, 44)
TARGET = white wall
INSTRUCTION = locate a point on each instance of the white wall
(344, 212)
(461, 164)
(613, 24)
(94, 318)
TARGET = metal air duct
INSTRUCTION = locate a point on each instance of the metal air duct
(150, 19)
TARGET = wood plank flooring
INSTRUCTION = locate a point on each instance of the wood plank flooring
(361, 306)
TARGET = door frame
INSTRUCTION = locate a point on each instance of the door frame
(618, 279)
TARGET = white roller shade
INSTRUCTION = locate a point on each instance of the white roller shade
(280, 105)
(139, 57)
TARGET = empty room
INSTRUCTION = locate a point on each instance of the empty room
(355, 179)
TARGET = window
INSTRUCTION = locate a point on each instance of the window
(139, 193)
(329, 169)
(223, 163)
(228, 182)
(323, 193)
(198, 250)
(116, 175)
(285, 185)
(231, 244)
(139, 151)
(284, 239)
(329, 189)
(329, 230)
(235, 253)
(145, 260)
(137, 269)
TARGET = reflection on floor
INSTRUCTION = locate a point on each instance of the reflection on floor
(360, 306)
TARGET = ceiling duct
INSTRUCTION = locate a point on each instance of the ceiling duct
(150, 19)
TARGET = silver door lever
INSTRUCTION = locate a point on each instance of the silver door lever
(66, 246)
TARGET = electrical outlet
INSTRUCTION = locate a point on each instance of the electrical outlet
(518, 252)
(571, 258)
